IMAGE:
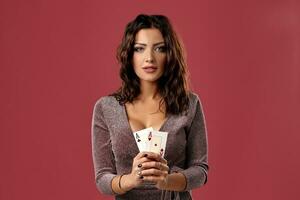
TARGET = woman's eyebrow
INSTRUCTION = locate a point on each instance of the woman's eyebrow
(146, 44)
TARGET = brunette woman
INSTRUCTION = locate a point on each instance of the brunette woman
(154, 93)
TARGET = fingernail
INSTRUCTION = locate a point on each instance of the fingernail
(145, 155)
(141, 177)
(140, 165)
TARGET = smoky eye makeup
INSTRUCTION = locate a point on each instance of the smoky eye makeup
(161, 48)
(138, 48)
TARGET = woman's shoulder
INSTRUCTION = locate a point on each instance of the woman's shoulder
(193, 97)
(194, 102)
(106, 101)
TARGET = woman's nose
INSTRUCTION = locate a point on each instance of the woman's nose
(149, 56)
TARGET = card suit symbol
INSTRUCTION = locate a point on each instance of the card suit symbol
(138, 138)
(161, 152)
(150, 136)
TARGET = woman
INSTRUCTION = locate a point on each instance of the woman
(154, 93)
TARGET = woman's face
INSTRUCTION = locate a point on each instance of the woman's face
(149, 55)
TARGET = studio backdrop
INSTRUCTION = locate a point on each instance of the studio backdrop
(57, 57)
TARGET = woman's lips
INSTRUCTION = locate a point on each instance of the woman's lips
(149, 69)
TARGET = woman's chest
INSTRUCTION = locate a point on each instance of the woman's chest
(125, 147)
(143, 116)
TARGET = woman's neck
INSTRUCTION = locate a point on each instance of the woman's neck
(149, 91)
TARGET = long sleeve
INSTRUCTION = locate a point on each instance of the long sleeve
(103, 158)
(196, 152)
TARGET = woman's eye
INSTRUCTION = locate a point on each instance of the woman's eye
(138, 49)
(161, 49)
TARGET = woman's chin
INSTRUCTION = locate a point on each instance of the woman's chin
(149, 79)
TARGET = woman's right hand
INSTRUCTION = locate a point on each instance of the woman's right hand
(134, 179)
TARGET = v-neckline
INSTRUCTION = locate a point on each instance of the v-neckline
(125, 114)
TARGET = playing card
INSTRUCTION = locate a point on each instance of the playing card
(157, 142)
(141, 138)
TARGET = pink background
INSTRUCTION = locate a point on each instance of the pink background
(57, 57)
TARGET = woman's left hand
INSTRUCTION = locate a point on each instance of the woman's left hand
(155, 171)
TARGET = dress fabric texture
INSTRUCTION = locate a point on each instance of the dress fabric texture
(114, 147)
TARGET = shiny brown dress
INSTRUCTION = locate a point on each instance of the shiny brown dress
(114, 147)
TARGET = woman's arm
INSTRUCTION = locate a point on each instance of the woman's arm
(197, 149)
(195, 173)
(103, 159)
(175, 182)
(119, 181)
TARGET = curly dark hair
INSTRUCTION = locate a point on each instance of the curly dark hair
(173, 84)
